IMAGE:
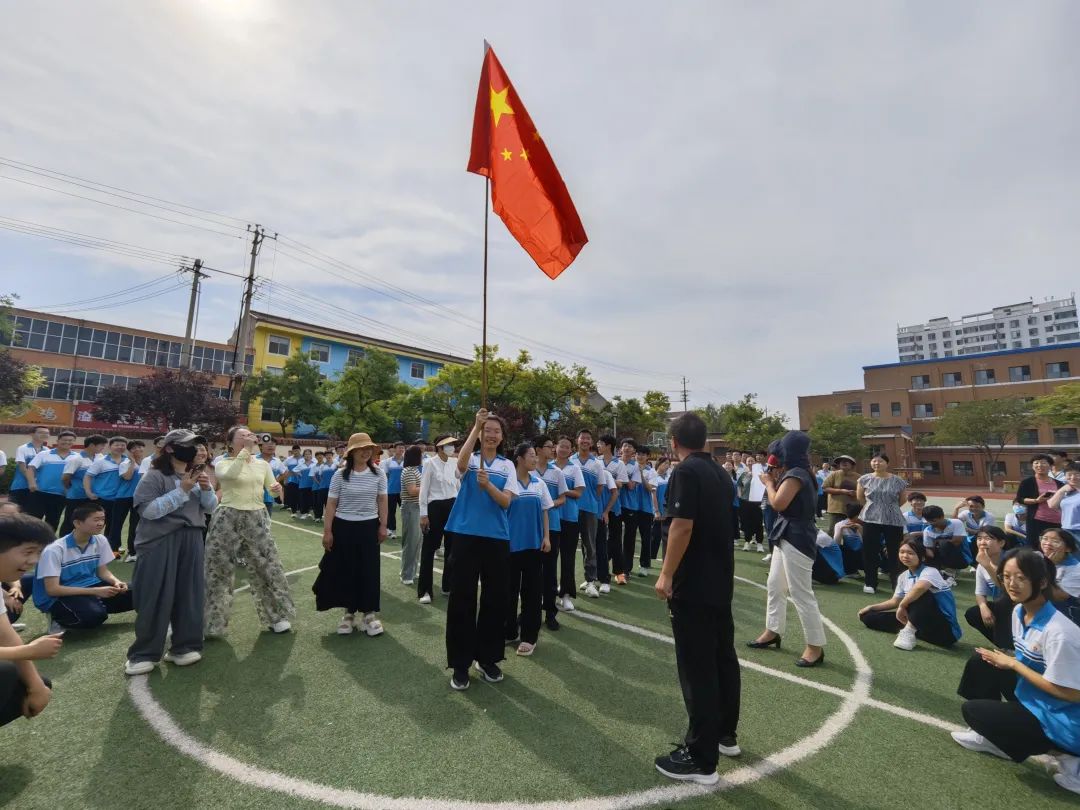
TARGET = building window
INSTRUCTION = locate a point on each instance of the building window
(417, 371)
(1025, 469)
(1028, 436)
(984, 376)
(951, 379)
(875, 410)
(996, 468)
(278, 345)
(270, 414)
(963, 469)
(1057, 370)
(1034, 342)
(920, 381)
(320, 352)
(355, 356)
(853, 409)
(924, 410)
(876, 450)
(895, 408)
(1014, 324)
(1065, 436)
(1019, 373)
(930, 467)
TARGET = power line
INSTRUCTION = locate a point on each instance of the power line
(85, 244)
(106, 296)
(113, 305)
(65, 231)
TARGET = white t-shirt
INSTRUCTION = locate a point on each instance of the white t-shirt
(929, 575)
(1013, 522)
(984, 585)
(1068, 576)
(757, 489)
(932, 538)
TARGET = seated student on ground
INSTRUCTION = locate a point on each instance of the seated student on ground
(945, 541)
(1059, 546)
(23, 692)
(1016, 524)
(923, 606)
(848, 534)
(73, 583)
(913, 516)
(1046, 713)
(972, 513)
(992, 612)
(829, 562)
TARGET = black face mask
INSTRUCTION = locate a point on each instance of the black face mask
(184, 453)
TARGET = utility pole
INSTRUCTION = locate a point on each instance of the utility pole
(243, 329)
(189, 333)
(685, 396)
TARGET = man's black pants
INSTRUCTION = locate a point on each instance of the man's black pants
(708, 674)
(12, 692)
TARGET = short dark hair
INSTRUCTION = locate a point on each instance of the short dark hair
(917, 546)
(1067, 537)
(882, 456)
(81, 513)
(976, 499)
(540, 441)
(232, 433)
(159, 439)
(997, 533)
(932, 513)
(1042, 457)
(607, 439)
(95, 438)
(118, 439)
(136, 443)
(1072, 466)
(1062, 453)
(628, 440)
(522, 450)
(689, 431)
(64, 433)
(564, 438)
(413, 456)
(21, 529)
(584, 430)
(1040, 572)
(294, 447)
(852, 510)
(398, 444)
(916, 496)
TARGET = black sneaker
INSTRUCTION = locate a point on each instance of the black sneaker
(491, 672)
(552, 623)
(681, 766)
(459, 681)
(729, 747)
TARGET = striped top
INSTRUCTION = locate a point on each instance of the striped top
(410, 477)
(358, 498)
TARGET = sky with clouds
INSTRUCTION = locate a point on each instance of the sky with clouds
(769, 188)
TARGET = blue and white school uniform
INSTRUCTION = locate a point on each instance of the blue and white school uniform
(1050, 645)
(25, 453)
(972, 526)
(303, 472)
(474, 511)
(555, 480)
(76, 466)
(940, 540)
(290, 465)
(914, 524)
(49, 468)
(570, 511)
(1013, 521)
(850, 545)
(277, 468)
(829, 562)
(986, 586)
(75, 567)
(591, 470)
(392, 467)
(609, 487)
(128, 485)
(526, 514)
(940, 590)
(105, 472)
(1068, 579)
(628, 498)
(1070, 512)
(531, 501)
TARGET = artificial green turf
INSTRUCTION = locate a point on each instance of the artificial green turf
(583, 717)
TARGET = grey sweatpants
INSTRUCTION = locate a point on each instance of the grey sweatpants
(588, 543)
(411, 539)
(168, 588)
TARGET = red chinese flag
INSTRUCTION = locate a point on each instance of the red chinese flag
(527, 191)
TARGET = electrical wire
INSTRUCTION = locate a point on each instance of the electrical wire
(77, 234)
(122, 303)
(114, 294)
(86, 244)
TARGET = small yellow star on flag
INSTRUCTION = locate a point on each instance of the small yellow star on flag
(499, 106)
(524, 154)
(507, 154)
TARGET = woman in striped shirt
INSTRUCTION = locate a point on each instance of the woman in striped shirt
(410, 513)
(355, 526)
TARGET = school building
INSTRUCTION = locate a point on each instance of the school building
(905, 400)
(275, 339)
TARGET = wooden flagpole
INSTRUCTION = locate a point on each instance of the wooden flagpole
(484, 348)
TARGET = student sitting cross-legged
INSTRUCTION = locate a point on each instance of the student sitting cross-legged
(923, 606)
(991, 614)
(73, 583)
(944, 540)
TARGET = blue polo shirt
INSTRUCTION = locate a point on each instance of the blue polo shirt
(527, 514)
(277, 468)
(1050, 645)
(556, 484)
(392, 467)
(474, 512)
(304, 468)
(913, 523)
(570, 511)
(76, 466)
(76, 567)
(290, 465)
(591, 470)
(127, 485)
(939, 589)
(106, 475)
(628, 499)
(49, 471)
(24, 453)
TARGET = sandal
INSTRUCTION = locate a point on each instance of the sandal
(345, 626)
(525, 648)
(371, 625)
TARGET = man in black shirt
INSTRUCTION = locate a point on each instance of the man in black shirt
(697, 581)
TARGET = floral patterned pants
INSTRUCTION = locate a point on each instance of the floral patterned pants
(238, 536)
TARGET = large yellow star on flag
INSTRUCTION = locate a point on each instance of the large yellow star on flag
(499, 107)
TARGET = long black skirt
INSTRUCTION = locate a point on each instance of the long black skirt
(349, 572)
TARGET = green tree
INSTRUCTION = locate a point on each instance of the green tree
(748, 426)
(713, 416)
(18, 380)
(177, 397)
(832, 435)
(987, 426)
(361, 398)
(1062, 407)
(297, 393)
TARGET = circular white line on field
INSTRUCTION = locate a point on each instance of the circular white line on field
(171, 733)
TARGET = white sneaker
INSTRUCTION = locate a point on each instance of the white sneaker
(55, 627)
(18, 626)
(370, 624)
(408, 582)
(905, 639)
(129, 557)
(760, 549)
(425, 599)
(567, 605)
(642, 571)
(1070, 783)
(346, 625)
(973, 741)
(139, 667)
(605, 587)
(591, 592)
(970, 569)
(184, 659)
(767, 557)
(868, 590)
(746, 546)
(281, 627)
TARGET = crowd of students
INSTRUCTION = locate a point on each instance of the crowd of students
(509, 523)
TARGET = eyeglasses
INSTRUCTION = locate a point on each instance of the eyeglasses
(1052, 542)
(1018, 579)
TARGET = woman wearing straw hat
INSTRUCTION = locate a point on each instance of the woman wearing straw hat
(355, 526)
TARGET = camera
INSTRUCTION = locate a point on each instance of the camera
(265, 437)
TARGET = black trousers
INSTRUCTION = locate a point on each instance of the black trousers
(51, 507)
(438, 514)
(752, 523)
(26, 501)
(87, 612)
(472, 635)
(307, 499)
(1000, 632)
(1009, 726)
(644, 528)
(107, 505)
(708, 674)
(735, 520)
(655, 537)
(614, 537)
(1036, 528)
(568, 543)
(930, 623)
(393, 501)
(12, 692)
(319, 502)
(981, 681)
(121, 508)
(70, 505)
(549, 562)
(525, 583)
(871, 549)
(292, 497)
(635, 523)
(949, 555)
(603, 554)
